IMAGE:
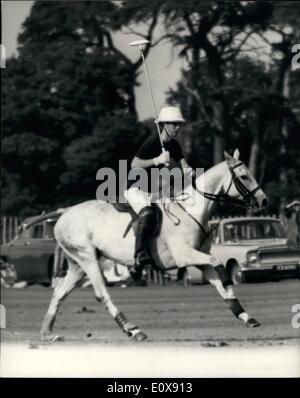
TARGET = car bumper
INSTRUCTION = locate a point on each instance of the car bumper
(274, 272)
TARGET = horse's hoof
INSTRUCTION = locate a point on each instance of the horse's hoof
(51, 338)
(252, 323)
(136, 334)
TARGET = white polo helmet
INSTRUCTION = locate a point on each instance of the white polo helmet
(169, 114)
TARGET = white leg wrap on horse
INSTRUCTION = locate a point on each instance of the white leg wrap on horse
(244, 317)
(126, 326)
(229, 292)
(121, 320)
(130, 329)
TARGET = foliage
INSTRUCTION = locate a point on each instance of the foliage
(69, 100)
(115, 137)
(65, 82)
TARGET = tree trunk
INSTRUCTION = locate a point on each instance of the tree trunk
(218, 149)
(262, 170)
(132, 102)
(253, 162)
(254, 153)
(218, 134)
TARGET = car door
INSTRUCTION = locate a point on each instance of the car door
(41, 250)
(19, 256)
(30, 253)
(45, 251)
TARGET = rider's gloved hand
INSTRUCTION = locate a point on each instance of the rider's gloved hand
(163, 158)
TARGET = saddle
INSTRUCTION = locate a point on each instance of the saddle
(126, 208)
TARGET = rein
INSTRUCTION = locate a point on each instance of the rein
(247, 195)
(176, 222)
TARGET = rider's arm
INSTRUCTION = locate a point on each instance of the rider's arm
(144, 157)
(141, 163)
(163, 158)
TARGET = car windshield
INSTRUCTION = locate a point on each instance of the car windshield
(253, 229)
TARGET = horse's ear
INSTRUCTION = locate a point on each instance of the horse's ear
(236, 154)
(227, 156)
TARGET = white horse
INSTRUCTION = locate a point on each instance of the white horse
(95, 228)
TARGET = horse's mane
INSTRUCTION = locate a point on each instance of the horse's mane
(210, 172)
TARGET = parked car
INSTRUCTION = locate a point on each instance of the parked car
(251, 248)
(32, 254)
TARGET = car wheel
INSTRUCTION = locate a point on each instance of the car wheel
(237, 275)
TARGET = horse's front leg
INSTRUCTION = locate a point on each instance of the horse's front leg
(217, 275)
(228, 295)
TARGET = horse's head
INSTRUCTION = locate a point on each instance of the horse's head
(238, 183)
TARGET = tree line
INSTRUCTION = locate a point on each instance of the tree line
(69, 104)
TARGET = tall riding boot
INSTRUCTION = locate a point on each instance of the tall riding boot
(145, 229)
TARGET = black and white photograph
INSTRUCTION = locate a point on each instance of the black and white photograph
(150, 201)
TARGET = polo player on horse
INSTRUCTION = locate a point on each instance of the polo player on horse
(148, 156)
(86, 241)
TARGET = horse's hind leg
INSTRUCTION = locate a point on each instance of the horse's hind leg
(91, 267)
(62, 290)
(227, 293)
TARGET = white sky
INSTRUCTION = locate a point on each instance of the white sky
(162, 73)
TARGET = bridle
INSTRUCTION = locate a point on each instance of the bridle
(248, 201)
(247, 195)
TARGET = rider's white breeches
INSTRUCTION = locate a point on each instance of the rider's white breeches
(137, 198)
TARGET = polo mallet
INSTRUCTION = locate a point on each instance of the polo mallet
(140, 43)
